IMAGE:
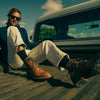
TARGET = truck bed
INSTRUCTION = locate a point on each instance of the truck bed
(16, 86)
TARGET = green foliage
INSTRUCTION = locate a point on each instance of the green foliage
(46, 33)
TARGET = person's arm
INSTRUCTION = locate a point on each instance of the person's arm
(18, 45)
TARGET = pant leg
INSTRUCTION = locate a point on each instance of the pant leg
(47, 50)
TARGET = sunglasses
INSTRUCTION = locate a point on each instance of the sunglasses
(17, 18)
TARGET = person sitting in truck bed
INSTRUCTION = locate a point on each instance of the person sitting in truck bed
(19, 52)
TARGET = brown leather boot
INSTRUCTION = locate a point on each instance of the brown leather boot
(35, 72)
(76, 68)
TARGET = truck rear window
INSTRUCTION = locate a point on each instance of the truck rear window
(85, 30)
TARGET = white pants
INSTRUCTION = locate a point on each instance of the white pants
(47, 50)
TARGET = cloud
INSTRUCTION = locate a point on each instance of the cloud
(84, 35)
(52, 6)
(72, 29)
(95, 34)
(3, 21)
(22, 24)
(80, 35)
(73, 35)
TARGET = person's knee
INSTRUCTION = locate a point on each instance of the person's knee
(46, 45)
(48, 42)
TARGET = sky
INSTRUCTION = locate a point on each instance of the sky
(31, 10)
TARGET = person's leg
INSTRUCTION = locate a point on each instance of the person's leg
(77, 68)
(17, 55)
(48, 50)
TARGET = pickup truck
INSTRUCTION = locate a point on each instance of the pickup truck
(76, 30)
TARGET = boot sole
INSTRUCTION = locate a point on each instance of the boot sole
(39, 79)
